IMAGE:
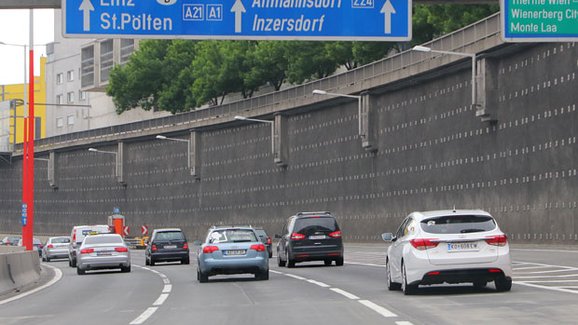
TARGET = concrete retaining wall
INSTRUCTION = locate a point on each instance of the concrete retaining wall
(18, 270)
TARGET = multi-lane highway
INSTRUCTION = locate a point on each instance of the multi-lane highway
(545, 291)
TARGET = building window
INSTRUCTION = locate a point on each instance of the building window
(70, 97)
(59, 122)
(70, 120)
(59, 78)
(81, 95)
(70, 75)
(59, 99)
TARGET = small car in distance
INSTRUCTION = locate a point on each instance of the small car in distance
(167, 245)
(10, 241)
(265, 239)
(310, 236)
(105, 251)
(36, 243)
(55, 247)
(232, 250)
(448, 246)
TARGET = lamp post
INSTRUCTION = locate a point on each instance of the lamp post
(272, 123)
(359, 104)
(420, 48)
(188, 142)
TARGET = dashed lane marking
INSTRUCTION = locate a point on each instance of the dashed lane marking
(160, 300)
(345, 293)
(377, 308)
(144, 316)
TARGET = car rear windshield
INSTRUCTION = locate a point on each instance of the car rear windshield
(62, 240)
(103, 240)
(307, 226)
(170, 235)
(232, 236)
(458, 224)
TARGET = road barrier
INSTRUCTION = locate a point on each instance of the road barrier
(18, 269)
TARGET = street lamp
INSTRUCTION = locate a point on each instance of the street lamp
(102, 151)
(188, 142)
(272, 123)
(118, 171)
(420, 48)
(359, 104)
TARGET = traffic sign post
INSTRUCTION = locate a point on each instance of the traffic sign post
(539, 20)
(358, 20)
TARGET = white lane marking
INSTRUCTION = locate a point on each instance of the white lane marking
(161, 299)
(403, 323)
(276, 272)
(365, 264)
(530, 268)
(377, 308)
(167, 288)
(321, 284)
(166, 281)
(550, 265)
(57, 277)
(550, 271)
(550, 281)
(544, 250)
(546, 287)
(546, 276)
(345, 293)
(295, 276)
(144, 316)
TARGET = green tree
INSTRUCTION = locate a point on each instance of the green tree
(309, 61)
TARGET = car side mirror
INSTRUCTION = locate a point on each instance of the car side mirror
(388, 237)
(197, 243)
(277, 236)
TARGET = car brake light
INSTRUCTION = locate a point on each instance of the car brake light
(434, 273)
(335, 234)
(297, 236)
(87, 251)
(424, 243)
(50, 246)
(268, 240)
(495, 271)
(74, 236)
(186, 245)
(210, 249)
(121, 249)
(154, 248)
(258, 247)
(498, 240)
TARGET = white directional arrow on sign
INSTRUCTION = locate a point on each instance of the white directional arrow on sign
(86, 7)
(387, 10)
(238, 9)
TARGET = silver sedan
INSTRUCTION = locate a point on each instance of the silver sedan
(55, 247)
(106, 251)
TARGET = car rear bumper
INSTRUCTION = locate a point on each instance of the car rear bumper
(213, 266)
(303, 255)
(57, 253)
(108, 262)
(169, 256)
(462, 276)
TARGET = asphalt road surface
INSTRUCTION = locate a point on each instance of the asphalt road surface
(545, 291)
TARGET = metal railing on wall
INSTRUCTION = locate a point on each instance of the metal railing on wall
(460, 40)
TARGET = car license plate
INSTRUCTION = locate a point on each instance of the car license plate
(170, 246)
(316, 237)
(103, 253)
(235, 252)
(463, 247)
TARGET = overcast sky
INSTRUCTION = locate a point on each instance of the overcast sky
(14, 26)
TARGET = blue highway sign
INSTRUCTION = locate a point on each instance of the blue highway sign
(359, 20)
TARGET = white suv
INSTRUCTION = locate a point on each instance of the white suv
(77, 236)
(449, 246)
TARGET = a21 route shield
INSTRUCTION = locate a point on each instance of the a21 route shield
(369, 20)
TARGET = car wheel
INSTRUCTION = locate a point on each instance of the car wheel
(480, 284)
(202, 277)
(80, 271)
(327, 262)
(147, 262)
(47, 259)
(262, 275)
(43, 258)
(152, 262)
(270, 254)
(280, 262)
(503, 284)
(125, 269)
(339, 261)
(186, 260)
(391, 286)
(290, 262)
(73, 263)
(408, 289)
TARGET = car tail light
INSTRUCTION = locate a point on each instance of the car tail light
(74, 236)
(424, 243)
(186, 245)
(154, 248)
(434, 273)
(258, 247)
(498, 240)
(121, 249)
(335, 234)
(210, 249)
(268, 240)
(50, 246)
(297, 236)
(495, 271)
(87, 251)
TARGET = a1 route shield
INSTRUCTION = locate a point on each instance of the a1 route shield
(370, 20)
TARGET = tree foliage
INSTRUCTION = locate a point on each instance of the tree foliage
(180, 75)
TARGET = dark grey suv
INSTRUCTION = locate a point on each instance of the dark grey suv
(166, 245)
(310, 236)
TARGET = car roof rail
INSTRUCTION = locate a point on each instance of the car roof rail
(313, 213)
(230, 226)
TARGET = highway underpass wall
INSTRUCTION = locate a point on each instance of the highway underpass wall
(432, 153)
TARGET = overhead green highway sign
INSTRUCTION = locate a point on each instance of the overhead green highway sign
(539, 20)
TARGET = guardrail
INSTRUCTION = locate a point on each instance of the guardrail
(476, 37)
